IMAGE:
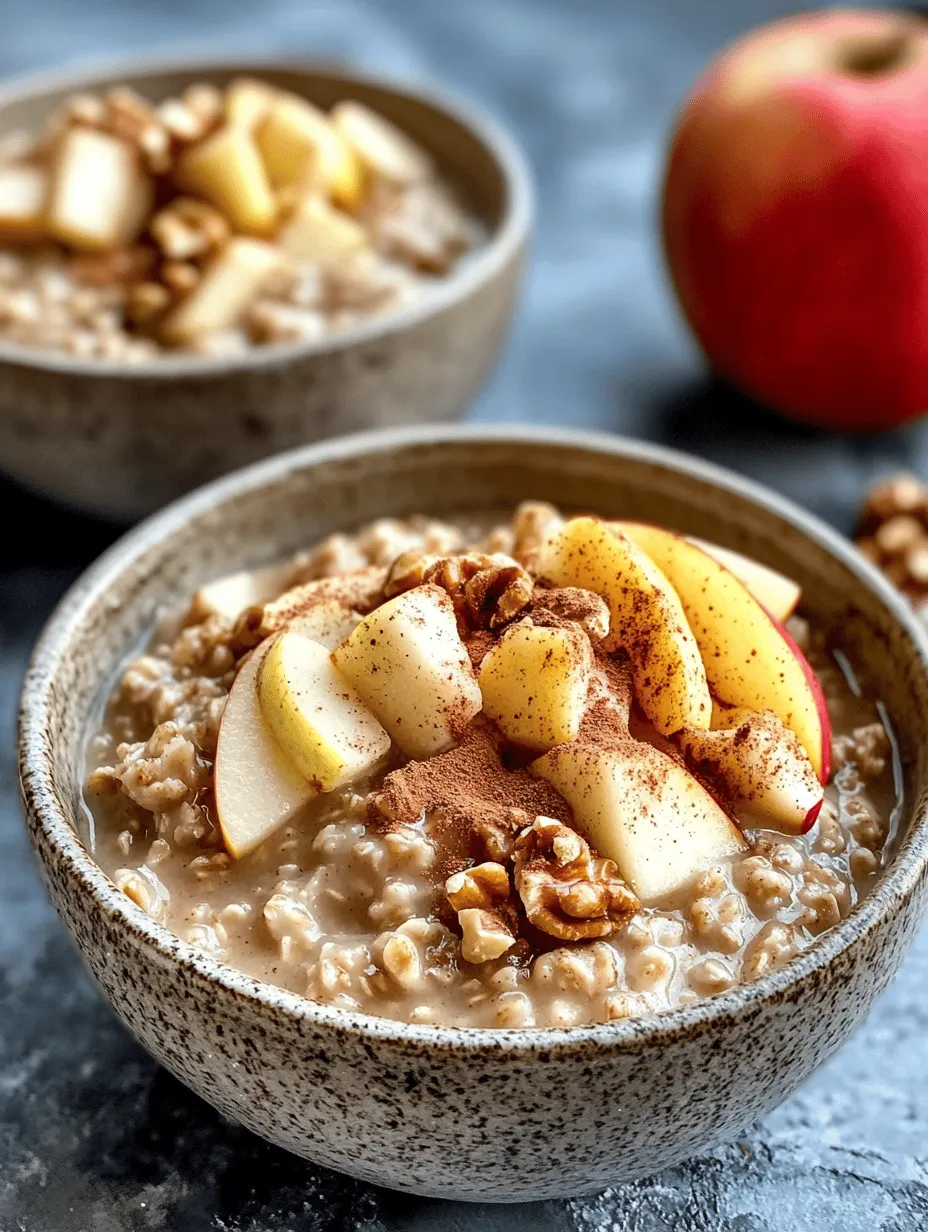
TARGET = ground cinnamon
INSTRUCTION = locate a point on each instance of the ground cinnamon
(475, 806)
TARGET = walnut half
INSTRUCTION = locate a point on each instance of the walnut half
(487, 591)
(480, 896)
(568, 892)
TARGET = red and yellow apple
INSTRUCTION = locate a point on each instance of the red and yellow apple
(758, 767)
(750, 658)
(776, 592)
(796, 216)
(644, 810)
(646, 617)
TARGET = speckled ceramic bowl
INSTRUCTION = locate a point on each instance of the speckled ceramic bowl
(477, 1114)
(123, 439)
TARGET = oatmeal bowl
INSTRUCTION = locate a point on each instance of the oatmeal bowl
(205, 262)
(491, 814)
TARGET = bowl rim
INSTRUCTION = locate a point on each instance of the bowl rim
(473, 271)
(54, 817)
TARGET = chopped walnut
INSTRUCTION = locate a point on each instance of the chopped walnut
(480, 896)
(487, 591)
(532, 522)
(568, 892)
(484, 885)
(187, 228)
(893, 532)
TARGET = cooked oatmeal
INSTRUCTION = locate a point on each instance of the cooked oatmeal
(214, 222)
(459, 888)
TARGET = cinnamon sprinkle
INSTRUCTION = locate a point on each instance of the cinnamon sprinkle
(475, 806)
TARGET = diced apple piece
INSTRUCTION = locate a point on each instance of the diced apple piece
(229, 284)
(300, 145)
(247, 101)
(410, 667)
(534, 684)
(779, 594)
(227, 169)
(23, 197)
(646, 617)
(328, 622)
(229, 596)
(317, 232)
(380, 145)
(100, 195)
(256, 787)
(639, 807)
(759, 767)
(750, 659)
(360, 590)
(315, 715)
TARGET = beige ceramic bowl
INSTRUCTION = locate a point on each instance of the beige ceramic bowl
(478, 1114)
(121, 440)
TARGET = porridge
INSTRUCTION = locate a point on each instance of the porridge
(213, 222)
(512, 776)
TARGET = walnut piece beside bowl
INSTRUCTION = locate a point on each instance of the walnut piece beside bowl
(120, 438)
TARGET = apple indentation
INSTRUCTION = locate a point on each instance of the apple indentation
(878, 54)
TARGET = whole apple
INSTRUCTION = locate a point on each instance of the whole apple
(796, 216)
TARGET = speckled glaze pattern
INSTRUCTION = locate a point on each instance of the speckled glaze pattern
(483, 1115)
(122, 440)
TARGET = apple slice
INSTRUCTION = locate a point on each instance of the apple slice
(227, 169)
(100, 195)
(301, 146)
(751, 660)
(230, 595)
(23, 196)
(534, 684)
(408, 664)
(315, 715)
(328, 622)
(646, 618)
(318, 232)
(643, 809)
(776, 592)
(759, 767)
(232, 280)
(360, 591)
(256, 787)
(380, 145)
(247, 101)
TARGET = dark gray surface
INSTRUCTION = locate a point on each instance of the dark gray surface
(93, 1136)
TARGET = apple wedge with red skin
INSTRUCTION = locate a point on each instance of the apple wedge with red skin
(643, 809)
(775, 591)
(758, 767)
(750, 659)
(256, 787)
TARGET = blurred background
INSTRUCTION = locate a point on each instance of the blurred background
(92, 1135)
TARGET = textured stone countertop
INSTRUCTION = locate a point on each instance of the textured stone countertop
(94, 1137)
